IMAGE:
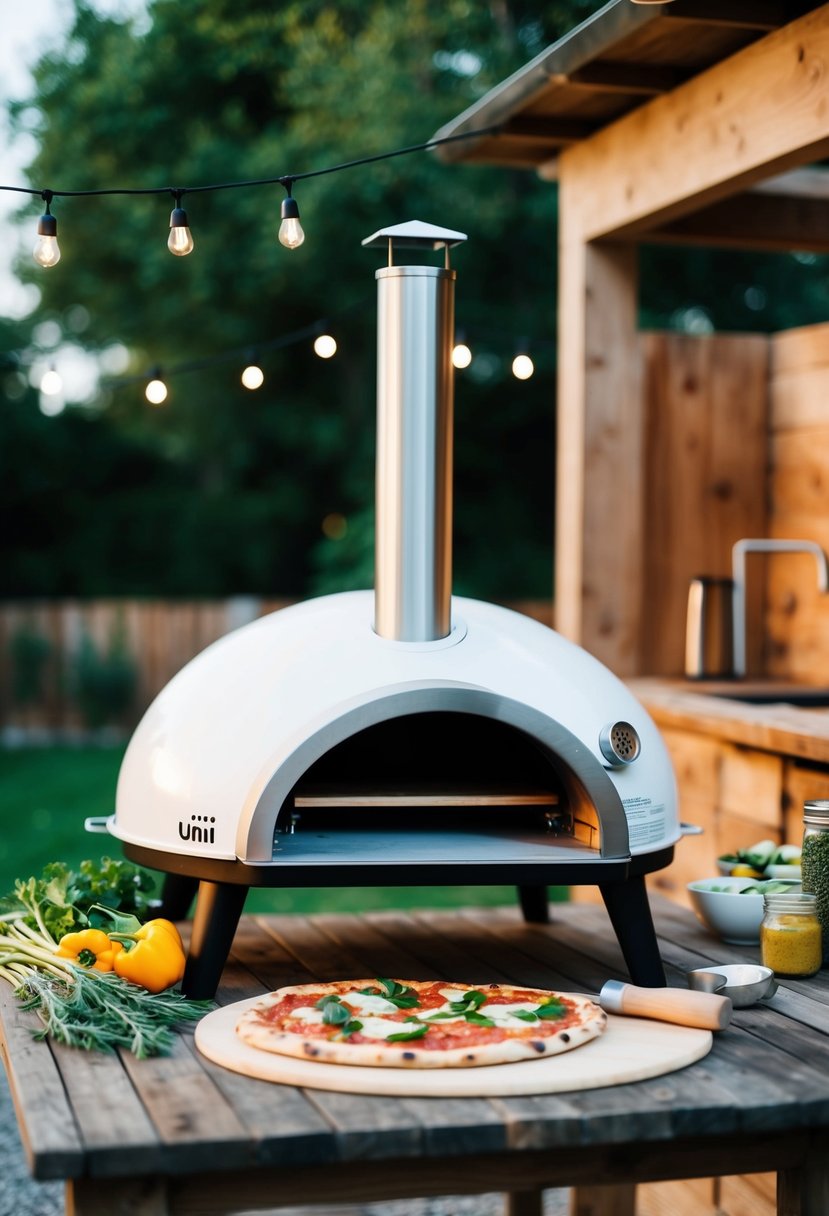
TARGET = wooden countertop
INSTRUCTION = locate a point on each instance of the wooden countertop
(786, 729)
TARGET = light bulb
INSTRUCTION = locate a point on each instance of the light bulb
(180, 241)
(47, 251)
(461, 355)
(522, 367)
(253, 376)
(291, 234)
(325, 346)
(156, 392)
(51, 384)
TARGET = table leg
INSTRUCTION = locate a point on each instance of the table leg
(804, 1191)
(617, 1200)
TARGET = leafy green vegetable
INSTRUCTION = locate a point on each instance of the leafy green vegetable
(350, 1028)
(478, 1019)
(399, 994)
(526, 1015)
(404, 1037)
(552, 1009)
(59, 901)
(334, 1012)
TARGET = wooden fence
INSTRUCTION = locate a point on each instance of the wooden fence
(66, 666)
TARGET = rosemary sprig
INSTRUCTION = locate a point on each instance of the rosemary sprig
(100, 1011)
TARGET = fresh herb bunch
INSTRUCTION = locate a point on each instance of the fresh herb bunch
(99, 1011)
(78, 1005)
(60, 899)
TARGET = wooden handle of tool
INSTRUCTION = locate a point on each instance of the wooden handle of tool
(705, 1010)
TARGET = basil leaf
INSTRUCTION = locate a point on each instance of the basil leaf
(438, 1017)
(327, 1000)
(399, 994)
(526, 1015)
(417, 1033)
(350, 1028)
(473, 1000)
(478, 1019)
(370, 992)
(553, 1009)
(335, 1014)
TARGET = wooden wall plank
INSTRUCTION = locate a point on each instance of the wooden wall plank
(705, 418)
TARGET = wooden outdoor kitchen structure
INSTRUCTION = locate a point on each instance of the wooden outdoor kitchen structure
(696, 122)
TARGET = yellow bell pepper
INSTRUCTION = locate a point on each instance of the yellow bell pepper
(89, 948)
(153, 956)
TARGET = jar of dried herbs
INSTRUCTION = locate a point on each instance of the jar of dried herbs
(790, 935)
(815, 862)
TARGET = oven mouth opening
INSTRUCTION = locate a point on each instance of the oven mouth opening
(437, 786)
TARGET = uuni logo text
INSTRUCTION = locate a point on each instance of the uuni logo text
(198, 835)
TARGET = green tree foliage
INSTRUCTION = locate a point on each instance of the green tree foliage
(224, 491)
(221, 490)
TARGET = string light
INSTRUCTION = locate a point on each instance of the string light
(253, 377)
(47, 251)
(180, 241)
(291, 232)
(522, 367)
(461, 354)
(51, 383)
(325, 345)
(156, 390)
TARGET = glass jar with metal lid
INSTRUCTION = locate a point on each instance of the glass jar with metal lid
(815, 861)
(790, 935)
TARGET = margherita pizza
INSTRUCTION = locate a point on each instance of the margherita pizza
(419, 1024)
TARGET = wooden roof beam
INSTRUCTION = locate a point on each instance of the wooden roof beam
(558, 132)
(761, 15)
(761, 222)
(636, 79)
(760, 112)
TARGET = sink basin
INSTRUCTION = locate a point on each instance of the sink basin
(806, 698)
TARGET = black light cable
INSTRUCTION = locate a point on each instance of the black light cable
(179, 225)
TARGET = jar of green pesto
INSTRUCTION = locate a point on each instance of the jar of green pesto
(815, 862)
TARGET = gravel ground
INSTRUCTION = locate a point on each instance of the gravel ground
(20, 1196)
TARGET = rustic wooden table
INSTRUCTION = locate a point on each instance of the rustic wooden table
(182, 1137)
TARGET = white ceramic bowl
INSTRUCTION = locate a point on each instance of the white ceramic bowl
(733, 917)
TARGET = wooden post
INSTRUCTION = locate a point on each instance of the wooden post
(598, 581)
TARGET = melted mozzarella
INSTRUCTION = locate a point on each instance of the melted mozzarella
(307, 1013)
(365, 1002)
(452, 994)
(379, 1028)
(502, 1015)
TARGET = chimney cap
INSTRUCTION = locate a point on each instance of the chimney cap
(414, 234)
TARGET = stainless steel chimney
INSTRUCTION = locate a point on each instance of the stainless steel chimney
(413, 527)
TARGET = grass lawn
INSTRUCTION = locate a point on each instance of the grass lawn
(46, 793)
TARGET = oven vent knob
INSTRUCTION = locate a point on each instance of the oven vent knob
(619, 743)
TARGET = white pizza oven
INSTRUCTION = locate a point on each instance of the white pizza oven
(400, 735)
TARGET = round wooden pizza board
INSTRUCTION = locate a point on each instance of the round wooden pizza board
(631, 1049)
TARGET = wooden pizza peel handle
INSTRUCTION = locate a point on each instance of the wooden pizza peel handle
(705, 1010)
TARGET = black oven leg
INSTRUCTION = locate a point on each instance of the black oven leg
(218, 908)
(177, 894)
(630, 914)
(534, 905)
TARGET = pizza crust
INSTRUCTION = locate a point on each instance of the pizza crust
(254, 1029)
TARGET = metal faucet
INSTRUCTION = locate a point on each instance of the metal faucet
(741, 548)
